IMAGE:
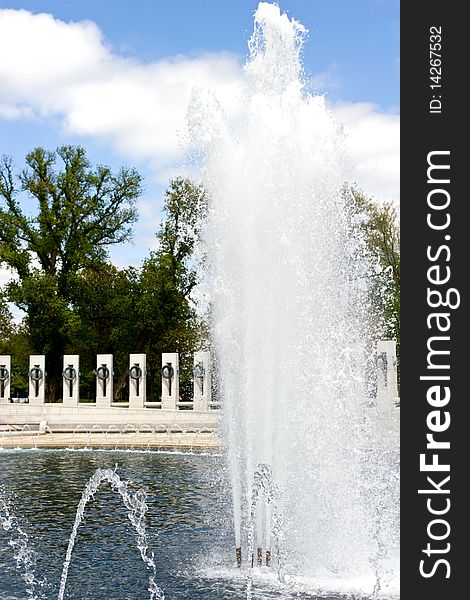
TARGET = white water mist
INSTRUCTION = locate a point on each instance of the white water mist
(289, 275)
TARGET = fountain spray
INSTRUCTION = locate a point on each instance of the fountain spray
(289, 276)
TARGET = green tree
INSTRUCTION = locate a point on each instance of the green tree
(6, 324)
(81, 211)
(148, 309)
(381, 232)
(167, 311)
(106, 304)
(19, 349)
(14, 341)
(185, 209)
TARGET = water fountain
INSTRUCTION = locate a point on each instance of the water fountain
(314, 498)
(289, 279)
(136, 506)
(23, 554)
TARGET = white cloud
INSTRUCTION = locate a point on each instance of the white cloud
(373, 142)
(328, 81)
(66, 70)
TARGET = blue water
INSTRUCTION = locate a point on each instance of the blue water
(188, 522)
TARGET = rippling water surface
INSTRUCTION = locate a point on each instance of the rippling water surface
(188, 523)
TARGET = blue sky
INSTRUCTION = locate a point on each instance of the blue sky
(351, 54)
(359, 37)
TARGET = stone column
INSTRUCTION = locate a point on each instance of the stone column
(71, 379)
(387, 389)
(5, 378)
(104, 380)
(202, 381)
(37, 379)
(388, 413)
(137, 380)
(170, 380)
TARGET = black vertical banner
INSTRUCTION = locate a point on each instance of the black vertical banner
(435, 359)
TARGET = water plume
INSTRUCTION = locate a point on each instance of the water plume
(136, 507)
(288, 269)
(23, 553)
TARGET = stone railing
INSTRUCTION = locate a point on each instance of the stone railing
(104, 383)
(386, 398)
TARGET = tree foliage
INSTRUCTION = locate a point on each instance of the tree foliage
(169, 276)
(185, 209)
(382, 237)
(6, 324)
(78, 303)
(106, 299)
(80, 211)
(14, 341)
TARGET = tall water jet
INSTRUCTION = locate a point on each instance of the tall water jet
(289, 272)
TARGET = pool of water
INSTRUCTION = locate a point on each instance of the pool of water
(188, 528)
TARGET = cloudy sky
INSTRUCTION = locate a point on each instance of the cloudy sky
(116, 77)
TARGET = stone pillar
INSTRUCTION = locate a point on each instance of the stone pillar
(170, 380)
(37, 379)
(71, 379)
(104, 380)
(387, 389)
(202, 381)
(137, 380)
(5, 378)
